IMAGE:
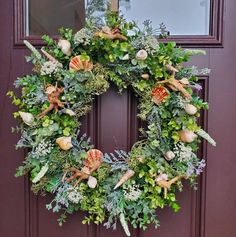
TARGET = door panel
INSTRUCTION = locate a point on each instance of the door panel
(112, 124)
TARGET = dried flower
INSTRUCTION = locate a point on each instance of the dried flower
(184, 153)
(49, 68)
(44, 148)
(83, 36)
(74, 195)
(132, 192)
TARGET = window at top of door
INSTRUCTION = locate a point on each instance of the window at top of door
(46, 16)
(181, 17)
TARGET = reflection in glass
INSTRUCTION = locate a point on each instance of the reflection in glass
(181, 17)
(46, 16)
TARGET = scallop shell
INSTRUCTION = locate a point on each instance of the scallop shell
(187, 136)
(159, 94)
(94, 159)
(190, 109)
(64, 143)
(141, 55)
(76, 64)
(27, 118)
(169, 155)
(92, 182)
(65, 46)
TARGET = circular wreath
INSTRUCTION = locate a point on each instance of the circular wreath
(67, 75)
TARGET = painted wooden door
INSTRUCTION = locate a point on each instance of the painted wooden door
(208, 212)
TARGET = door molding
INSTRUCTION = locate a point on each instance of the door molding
(214, 39)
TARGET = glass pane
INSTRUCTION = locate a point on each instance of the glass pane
(46, 16)
(181, 17)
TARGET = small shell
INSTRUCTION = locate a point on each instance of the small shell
(76, 64)
(94, 159)
(124, 178)
(169, 155)
(159, 94)
(184, 81)
(190, 109)
(64, 143)
(141, 55)
(126, 57)
(171, 68)
(27, 118)
(145, 76)
(65, 46)
(187, 136)
(69, 111)
(92, 182)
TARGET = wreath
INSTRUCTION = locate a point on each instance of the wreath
(67, 76)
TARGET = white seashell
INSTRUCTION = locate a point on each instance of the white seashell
(92, 182)
(126, 57)
(64, 143)
(65, 46)
(184, 81)
(169, 155)
(27, 118)
(69, 111)
(190, 109)
(187, 136)
(141, 55)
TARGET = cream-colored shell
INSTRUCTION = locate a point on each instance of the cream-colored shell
(190, 109)
(169, 155)
(141, 55)
(27, 118)
(187, 136)
(92, 182)
(65, 46)
(64, 143)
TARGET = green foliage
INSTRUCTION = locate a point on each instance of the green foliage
(114, 62)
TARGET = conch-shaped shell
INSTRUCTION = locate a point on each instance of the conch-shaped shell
(169, 155)
(190, 109)
(187, 136)
(92, 182)
(64, 143)
(93, 160)
(124, 178)
(76, 64)
(51, 58)
(65, 46)
(141, 55)
(27, 118)
(159, 94)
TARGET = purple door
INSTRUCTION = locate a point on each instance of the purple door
(208, 212)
